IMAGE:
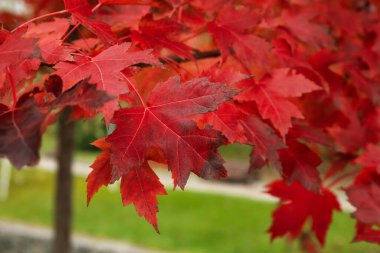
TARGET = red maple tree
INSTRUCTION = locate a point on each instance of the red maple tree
(299, 81)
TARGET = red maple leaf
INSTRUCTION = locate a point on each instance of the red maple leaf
(159, 34)
(226, 120)
(265, 141)
(104, 70)
(81, 11)
(49, 36)
(230, 32)
(139, 186)
(81, 7)
(244, 128)
(300, 163)
(162, 123)
(298, 205)
(101, 169)
(20, 133)
(364, 194)
(368, 233)
(356, 131)
(84, 95)
(16, 76)
(301, 25)
(371, 157)
(271, 96)
(14, 49)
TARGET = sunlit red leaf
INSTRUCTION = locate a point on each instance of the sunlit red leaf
(163, 123)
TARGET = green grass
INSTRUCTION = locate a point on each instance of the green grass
(189, 222)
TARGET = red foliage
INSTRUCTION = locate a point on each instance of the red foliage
(297, 205)
(296, 80)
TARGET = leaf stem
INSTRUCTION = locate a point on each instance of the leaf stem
(96, 7)
(70, 32)
(135, 90)
(40, 17)
(13, 86)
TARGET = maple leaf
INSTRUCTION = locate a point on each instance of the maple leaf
(238, 123)
(162, 33)
(141, 187)
(244, 128)
(349, 138)
(101, 169)
(228, 76)
(363, 194)
(104, 70)
(301, 26)
(100, 29)
(121, 16)
(298, 205)
(300, 163)
(84, 95)
(366, 232)
(81, 7)
(266, 142)
(226, 120)
(14, 49)
(311, 135)
(366, 199)
(271, 94)
(20, 133)
(371, 157)
(81, 10)
(49, 36)
(163, 124)
(355, 132)
(16, 75)
(229, 31)
(366, 86)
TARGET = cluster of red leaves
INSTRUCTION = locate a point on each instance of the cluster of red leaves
(299, 81)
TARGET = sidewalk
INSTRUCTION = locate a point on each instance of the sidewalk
(254, 191)
(22, 238)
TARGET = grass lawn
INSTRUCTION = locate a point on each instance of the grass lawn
(189, 222)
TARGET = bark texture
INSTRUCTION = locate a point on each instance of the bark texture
(63, 197)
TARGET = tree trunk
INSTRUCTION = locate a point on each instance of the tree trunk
(63, 191)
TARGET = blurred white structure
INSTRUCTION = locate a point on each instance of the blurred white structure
(15, 6)
(5, 178)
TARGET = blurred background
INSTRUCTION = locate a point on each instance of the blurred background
(230, 216)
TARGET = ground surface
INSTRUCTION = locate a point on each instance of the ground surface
(189, 221)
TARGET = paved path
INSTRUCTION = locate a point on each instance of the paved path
(254, 191)
(22, 238)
